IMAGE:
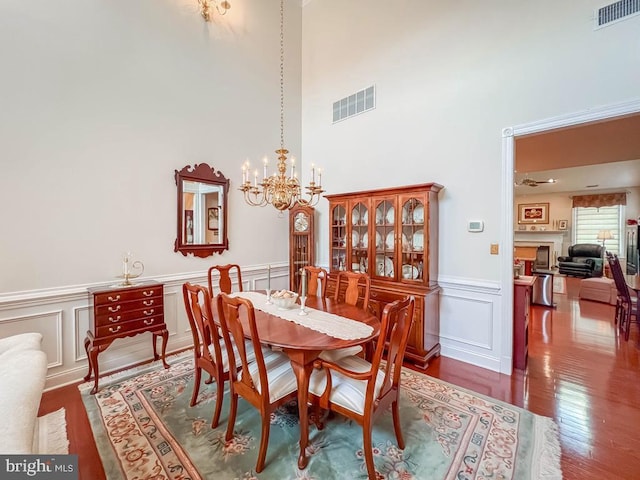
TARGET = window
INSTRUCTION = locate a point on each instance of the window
(588, 221)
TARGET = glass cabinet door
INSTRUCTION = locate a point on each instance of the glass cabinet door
(359, 238)
(413, 233)
(385, 239)
(338, 238)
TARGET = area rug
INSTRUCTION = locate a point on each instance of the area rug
(559, 284)
(51, 434)
(144, 428)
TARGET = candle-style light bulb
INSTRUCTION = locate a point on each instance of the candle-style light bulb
(293, 166)
(313, 173)
(265, 161)
(319, 177)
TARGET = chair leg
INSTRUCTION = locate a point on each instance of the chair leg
(264, 443)
(196, 386)
(218, 409)
(368, 449)
(231, 423)
(396, 424)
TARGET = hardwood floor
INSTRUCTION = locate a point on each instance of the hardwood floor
(579, 372)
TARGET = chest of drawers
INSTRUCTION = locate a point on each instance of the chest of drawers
(120, 312)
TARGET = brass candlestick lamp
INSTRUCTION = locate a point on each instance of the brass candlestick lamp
(128, 265)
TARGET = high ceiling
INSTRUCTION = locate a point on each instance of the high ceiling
(598, 156)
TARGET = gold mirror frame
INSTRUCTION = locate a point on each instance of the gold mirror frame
(202, 211)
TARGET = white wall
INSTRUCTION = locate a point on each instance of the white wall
(100, 103)
(103, 101)
(449, 79)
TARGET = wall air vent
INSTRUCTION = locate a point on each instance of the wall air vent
(355, 104)
(615, 12)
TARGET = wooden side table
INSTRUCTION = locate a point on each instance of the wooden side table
(120, 312)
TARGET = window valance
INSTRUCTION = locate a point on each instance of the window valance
(600, 200)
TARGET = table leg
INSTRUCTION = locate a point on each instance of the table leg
(87, 343)
(165, 336)
(93, 365)
(302, 365)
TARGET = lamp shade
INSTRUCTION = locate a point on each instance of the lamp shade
(604, 235)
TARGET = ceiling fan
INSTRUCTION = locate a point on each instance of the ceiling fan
(530, 182)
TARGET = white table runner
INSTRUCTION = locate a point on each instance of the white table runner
(323, 322)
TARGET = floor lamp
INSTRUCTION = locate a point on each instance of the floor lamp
(604, 235)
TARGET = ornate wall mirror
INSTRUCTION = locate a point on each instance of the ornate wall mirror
(202, 211)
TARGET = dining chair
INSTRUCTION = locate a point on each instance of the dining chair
(317, 278)
(353, 288)
(209, 351)
(266, 383)
(361, 390)
(225, 283)
(626, 304)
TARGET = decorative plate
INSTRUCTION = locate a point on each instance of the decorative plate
(409, 271)
(405, 214)
(355, 239)
(389, 241)
(384, 266)
(364, 218)
(378, 216)
(355, 217)
(418, 214)
(390, 216)
(378, 240)
(406, 246)
(365, 240)
(418, 240)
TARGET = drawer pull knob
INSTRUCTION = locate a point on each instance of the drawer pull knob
(149, 321)
(111, 299)
(147, 303)
(147, 293)
(115, 309)
(115, 329)
(114, 320)
(150, 312)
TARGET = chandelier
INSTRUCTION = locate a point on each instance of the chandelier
(278, 189)
(207, 5)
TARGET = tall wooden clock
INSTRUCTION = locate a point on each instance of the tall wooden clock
(301, 242)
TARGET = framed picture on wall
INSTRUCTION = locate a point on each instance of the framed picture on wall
(533, 213)
(563, 224)
(213, 218)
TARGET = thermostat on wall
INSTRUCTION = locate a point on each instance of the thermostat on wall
(475, 226)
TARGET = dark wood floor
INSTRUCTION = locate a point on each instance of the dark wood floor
(579, 372)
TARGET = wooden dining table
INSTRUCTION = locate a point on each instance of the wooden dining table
(303, 345)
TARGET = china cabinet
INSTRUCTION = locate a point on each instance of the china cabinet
(301, 242)
(392, 234)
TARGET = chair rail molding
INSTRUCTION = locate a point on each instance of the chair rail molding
(61, 315)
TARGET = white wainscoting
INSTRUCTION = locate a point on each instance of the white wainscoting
(62, 317)
(470, 322)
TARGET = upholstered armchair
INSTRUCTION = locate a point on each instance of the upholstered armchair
(584, 260)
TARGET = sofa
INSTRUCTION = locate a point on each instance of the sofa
(583, 260)
(23, 370)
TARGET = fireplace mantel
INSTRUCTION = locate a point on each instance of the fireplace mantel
(553, 238)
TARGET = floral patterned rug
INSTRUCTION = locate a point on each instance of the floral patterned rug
(145, 429)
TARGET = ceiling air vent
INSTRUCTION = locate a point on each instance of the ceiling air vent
(355, 104)
(615, 12)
